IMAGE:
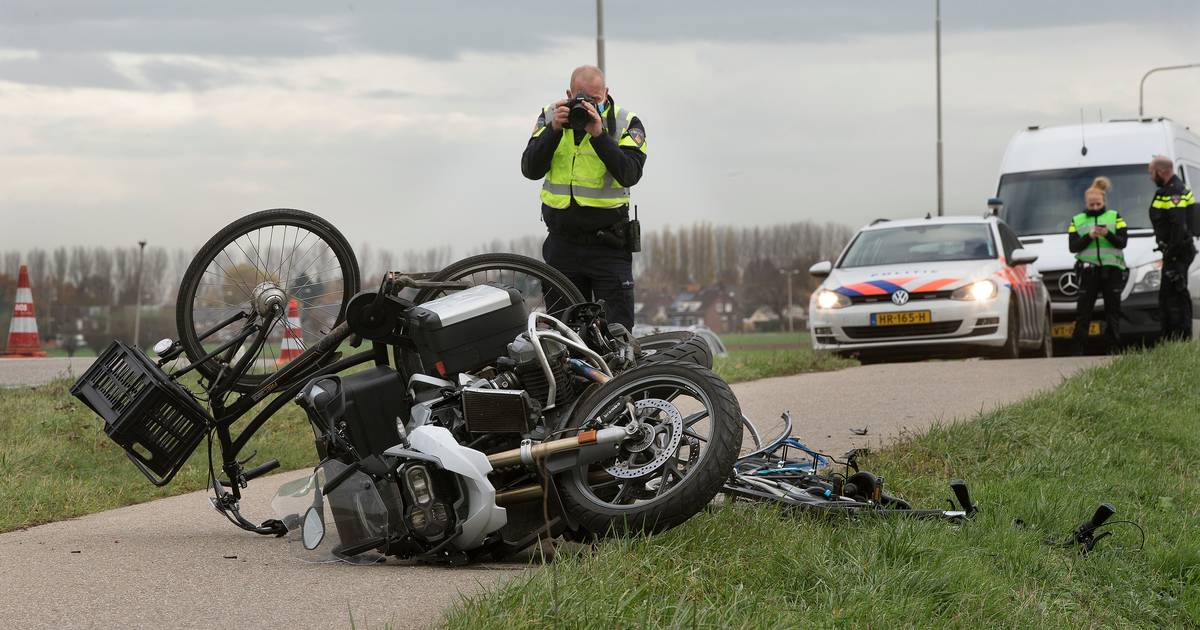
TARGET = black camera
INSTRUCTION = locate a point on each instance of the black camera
(578, 117)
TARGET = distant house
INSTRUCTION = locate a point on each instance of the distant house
(713, 307)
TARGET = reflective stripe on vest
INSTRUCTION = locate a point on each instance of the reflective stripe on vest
(1169, 203)
(577, 172)
(1100, 251)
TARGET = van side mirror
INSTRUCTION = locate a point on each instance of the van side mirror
(821, 269)
(994, 205)
(1022, 257)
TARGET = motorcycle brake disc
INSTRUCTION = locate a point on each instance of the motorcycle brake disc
(672, 422)
(645, 492)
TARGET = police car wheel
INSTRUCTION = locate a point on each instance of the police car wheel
(1012, 345)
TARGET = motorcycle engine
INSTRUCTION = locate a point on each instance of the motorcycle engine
(512, 401)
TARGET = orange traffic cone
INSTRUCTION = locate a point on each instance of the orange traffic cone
(293, 337)
(22, 332)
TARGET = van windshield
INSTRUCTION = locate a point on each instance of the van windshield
(1043, 202)
(920, 243)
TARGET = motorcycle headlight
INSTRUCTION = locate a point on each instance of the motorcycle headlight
(978, 291)
(1147, 277)
(418, 484)
(831, 299)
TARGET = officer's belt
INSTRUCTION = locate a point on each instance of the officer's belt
(613, 236)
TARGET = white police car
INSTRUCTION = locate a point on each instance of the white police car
(931, 287)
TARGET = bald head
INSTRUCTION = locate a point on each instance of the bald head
(590, 81)
(1161, 169)
(583, 76)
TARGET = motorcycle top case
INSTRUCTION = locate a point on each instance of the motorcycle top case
(467, 330)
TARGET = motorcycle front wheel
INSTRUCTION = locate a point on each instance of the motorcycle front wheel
(690, 434)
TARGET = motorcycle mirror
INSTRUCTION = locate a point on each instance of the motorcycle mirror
(313, 530)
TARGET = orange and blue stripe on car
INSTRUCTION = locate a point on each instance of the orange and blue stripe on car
(887, 287)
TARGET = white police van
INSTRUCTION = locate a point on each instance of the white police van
(1042, 179)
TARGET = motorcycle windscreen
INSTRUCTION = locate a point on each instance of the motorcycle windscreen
(342, 521)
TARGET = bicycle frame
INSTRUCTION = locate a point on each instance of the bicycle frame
(285, 384)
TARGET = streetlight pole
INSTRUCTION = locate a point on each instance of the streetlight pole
(1142, 85)
(600, 34)
(137, 313)
(937, 30)
(789, 273)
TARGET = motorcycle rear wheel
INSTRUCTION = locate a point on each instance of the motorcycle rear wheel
(638, 496)
(544, 287)
(676, 346)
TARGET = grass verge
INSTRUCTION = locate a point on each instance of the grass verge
(747, 365)
(58, 463)
(1125, 433)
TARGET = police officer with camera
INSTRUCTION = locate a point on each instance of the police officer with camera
(1169, 216)
(589, 152)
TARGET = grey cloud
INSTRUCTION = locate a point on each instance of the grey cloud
(444, 30)
(171, 75)
(65, 70)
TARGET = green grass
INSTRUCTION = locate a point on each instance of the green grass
(766, 339)
(746, 365)
(1125, 433)
(762, 355)
(57, 463)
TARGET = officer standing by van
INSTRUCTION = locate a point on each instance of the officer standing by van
(590, 152)
(1097, 237)
(1169, 216)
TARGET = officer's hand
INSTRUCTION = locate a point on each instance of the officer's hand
(559, 118)
(1100, 230)
(596, 127)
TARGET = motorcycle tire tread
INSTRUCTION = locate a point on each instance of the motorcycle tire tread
(681, 505)
(688, 347)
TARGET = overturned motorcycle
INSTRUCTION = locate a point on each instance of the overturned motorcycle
(494, 405)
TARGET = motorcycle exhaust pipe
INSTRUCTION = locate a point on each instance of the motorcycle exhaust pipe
(534, 492)
(529, 454)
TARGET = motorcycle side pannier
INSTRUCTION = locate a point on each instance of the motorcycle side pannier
(467, 330)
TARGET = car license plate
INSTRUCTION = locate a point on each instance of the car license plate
(901, 318)
(1068, 329)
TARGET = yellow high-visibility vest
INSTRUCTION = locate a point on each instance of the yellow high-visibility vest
(577, 172)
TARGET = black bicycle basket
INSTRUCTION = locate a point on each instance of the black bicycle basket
(156, 421)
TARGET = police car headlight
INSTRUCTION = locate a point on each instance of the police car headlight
(831, 299)
(978, 290)
(1147, 277)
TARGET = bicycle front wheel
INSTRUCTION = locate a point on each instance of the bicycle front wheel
(292, 255)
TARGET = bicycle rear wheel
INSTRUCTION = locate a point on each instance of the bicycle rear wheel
(295, 256)
(545, 289)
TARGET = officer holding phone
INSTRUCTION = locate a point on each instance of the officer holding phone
(589, 152)
(1097, 236)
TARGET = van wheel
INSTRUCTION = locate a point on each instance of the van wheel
(1012, 343)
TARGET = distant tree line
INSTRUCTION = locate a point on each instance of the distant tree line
(92, 290)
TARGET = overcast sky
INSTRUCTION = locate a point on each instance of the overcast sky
(403, 123)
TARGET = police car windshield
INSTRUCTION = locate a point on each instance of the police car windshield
(1043, 202)
(936, 242)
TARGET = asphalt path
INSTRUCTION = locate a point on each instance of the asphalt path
(21, 372)
(175, 563)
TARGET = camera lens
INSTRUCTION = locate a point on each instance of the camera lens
(578, 117)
